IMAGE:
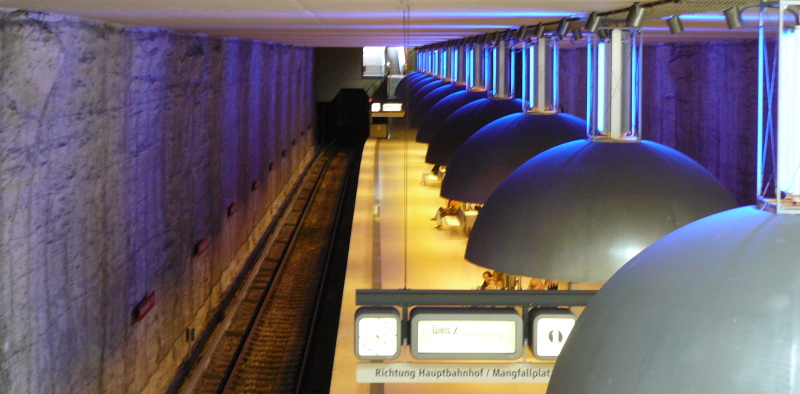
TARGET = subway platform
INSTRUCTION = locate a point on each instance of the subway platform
(395, 245)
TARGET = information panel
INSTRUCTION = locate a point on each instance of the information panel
(466, 334)
(550, 329)
(453, 373)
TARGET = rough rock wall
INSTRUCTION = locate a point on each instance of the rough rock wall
(121, 149)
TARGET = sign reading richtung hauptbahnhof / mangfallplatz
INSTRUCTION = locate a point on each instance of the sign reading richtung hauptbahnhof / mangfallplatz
(453, 372)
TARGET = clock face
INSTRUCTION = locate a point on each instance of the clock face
(377, 333)
(377, 336)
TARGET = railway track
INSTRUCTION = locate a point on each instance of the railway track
(265, 340)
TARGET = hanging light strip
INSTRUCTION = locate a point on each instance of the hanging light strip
(468, 64)
(477, 80)
(540, 75)
(493, 74)
(501, 64)
(436, 57)
(649, 11)
(443, 62)
(547, 59)
(460, 67)
(452, 73)
(788, 122)
(614, 84)
(635, 14)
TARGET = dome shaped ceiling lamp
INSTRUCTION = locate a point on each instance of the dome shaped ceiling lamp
(442, 78)
(406, 83)
(412, 76)
(713, 306)
(401, 87)
(456, 77)
(498, 148)
(464, 122)
(476, 89)
(427, 60)
(432, 64)
(579, 211)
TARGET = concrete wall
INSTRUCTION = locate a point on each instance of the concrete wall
(120, 150)
(339, 68)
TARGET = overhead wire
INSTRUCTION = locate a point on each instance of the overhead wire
(406, 45)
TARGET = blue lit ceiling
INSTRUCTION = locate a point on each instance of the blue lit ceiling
(356, 23)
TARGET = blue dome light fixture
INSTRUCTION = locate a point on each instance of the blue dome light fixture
(497, 149)
(457, 83)
(464, 122)
(711, 307)
(441, 79)
(581, 210)
(404, 86)
(427, 60)
(476, 90)
(401, 87)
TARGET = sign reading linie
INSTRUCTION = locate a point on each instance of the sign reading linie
(453, 373)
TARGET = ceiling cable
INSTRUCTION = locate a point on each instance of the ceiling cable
(407, 42)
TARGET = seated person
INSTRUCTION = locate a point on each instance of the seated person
(451, 210)
(542, 284)
(487, 277)
(496, 282)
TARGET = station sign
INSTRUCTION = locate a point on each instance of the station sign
(454, 373)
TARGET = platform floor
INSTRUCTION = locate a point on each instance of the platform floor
(395, 245)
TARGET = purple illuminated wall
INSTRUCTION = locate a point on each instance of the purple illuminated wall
(121, 149)
(698, 97)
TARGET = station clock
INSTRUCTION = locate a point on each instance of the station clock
(377, 333)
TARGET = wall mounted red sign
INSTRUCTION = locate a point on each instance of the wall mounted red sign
(145, 306)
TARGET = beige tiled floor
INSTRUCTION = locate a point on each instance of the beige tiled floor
(412, 254)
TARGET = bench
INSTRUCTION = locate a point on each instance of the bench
(430, 178)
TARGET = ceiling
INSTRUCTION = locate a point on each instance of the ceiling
(356, 23)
